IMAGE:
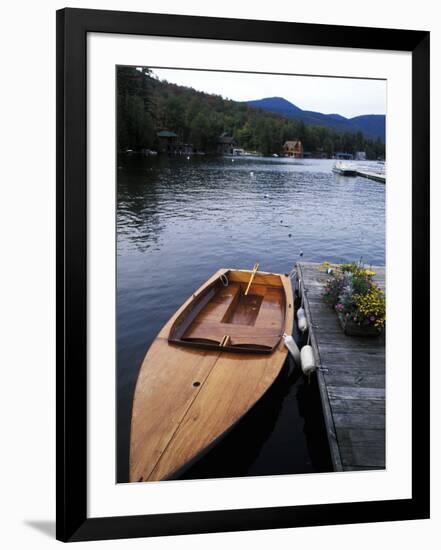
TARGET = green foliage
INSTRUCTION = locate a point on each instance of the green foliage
(146, 106)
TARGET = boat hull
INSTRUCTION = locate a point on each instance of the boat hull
(348, 173)
(187, 396)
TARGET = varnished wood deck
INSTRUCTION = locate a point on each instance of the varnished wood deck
(351, 379)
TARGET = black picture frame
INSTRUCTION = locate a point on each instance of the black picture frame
(71, 428)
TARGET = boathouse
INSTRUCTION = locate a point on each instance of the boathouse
(293, 149)
(167, 141)
(343, 156)
(226, 144)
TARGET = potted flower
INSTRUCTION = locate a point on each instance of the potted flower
(359, 303)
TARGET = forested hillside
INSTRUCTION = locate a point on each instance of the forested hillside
(372, 126)
(146, 106)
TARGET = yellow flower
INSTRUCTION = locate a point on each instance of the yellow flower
(372, 304)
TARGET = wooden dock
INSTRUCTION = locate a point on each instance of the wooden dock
(351, 379)
(376, 176)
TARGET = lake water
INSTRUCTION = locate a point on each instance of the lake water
(179, 221)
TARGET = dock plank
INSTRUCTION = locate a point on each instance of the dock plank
(351, 378)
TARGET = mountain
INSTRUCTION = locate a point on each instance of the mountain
(372, 126)
(277, 105)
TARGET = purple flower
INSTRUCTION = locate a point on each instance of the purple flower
(372, 318)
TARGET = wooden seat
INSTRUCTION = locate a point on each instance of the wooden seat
(254, 319)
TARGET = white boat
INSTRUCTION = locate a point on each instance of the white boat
(344, 169)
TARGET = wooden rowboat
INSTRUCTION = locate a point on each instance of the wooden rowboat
(207, 367)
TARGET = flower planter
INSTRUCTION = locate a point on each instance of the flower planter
(353, 294)
(351, 328)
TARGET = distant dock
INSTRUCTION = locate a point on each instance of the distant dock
(352, 170)
(376, 176)
(351, 379)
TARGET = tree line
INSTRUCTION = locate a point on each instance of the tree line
(146, 105)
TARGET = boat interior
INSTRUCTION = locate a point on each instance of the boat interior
(224, 317)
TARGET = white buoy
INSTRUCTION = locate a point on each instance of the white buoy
(307, 360)
(293, 349)
(302, 322)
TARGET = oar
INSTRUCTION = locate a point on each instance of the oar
(255, 268)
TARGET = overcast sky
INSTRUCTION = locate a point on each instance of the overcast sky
(344, 96)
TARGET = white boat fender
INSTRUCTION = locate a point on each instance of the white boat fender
(293, 349)
(307, 360)
(302, 322)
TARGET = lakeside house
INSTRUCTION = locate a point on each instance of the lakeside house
(293, 149)
(226, 144)
(167, 141)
